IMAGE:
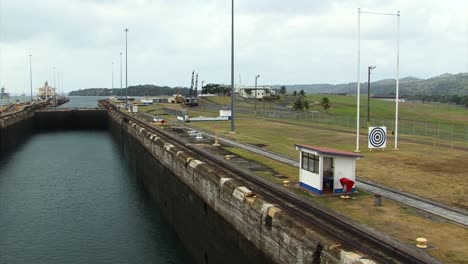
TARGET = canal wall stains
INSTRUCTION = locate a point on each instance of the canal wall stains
(216, 217)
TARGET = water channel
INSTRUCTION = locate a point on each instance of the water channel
(69, 197)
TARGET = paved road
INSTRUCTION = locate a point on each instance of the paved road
(455, 215)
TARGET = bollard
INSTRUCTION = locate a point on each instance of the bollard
(377, 199)
(421, 242)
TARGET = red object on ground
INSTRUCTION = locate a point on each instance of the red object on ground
(348, 183)
(162, 122)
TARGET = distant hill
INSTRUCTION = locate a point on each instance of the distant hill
(138, 90)
(446, 84)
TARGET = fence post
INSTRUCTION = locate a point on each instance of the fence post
(466, 133)
(452, 138)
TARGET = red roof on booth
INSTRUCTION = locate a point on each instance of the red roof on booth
(330, 151)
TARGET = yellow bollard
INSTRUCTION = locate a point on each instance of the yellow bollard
(421, 242)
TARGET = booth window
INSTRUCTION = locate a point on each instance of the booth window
(310, 162)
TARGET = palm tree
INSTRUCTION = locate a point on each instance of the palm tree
(306, 105)
(302, 93)
(325, 102)
(282, 90)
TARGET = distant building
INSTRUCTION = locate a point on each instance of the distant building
(4, 94)
(46, 91)
(390, 98)
(260, 92)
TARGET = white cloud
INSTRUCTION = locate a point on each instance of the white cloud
(299, 41)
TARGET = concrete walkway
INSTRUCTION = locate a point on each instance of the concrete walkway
(456, 215)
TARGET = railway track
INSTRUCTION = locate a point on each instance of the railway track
(375, 245)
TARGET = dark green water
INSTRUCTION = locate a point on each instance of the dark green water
(69, 197)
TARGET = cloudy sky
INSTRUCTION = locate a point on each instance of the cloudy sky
(286, 42)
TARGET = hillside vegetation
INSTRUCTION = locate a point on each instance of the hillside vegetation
(446, 85)
(138, 90)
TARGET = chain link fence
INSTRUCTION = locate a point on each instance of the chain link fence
(440, 130)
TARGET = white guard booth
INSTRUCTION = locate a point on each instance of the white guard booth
(321, 169)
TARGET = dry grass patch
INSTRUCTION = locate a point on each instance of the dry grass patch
(446, 241)
(424, 170)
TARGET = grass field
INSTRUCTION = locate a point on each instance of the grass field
(426, 170)
(442, 113)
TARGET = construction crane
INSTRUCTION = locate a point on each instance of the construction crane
(191, 99)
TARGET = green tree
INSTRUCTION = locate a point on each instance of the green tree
(302, 93)
(298, 105)
(325, 102)
(306, 106)
(295, 93)
(282, 90)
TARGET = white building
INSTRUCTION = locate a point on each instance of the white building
(323, 170)
(260, 92)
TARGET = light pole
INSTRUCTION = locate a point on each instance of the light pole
(121, 74)
(232, 67)
(112, 76)
(30, 74)
(368, 93)
(126, 68)
(255, 93)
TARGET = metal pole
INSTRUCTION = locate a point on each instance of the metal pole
(121, 94)
(358, 84)
(30, 74)
(397, 80)
(62, 83)
(126, 69)
(256, 77)
(232, 68)
(112, 76)
(368, 95)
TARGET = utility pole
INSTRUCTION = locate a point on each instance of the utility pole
(255, 93)
(232, 68)
(112, 76)
(121, 94)
(30, 74)
(126, 68)
(195, 90)
(368, 93)
(358, 108)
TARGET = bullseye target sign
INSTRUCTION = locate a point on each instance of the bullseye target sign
(377, 137)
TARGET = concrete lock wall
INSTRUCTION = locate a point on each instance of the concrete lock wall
(211, 212)
(17, 127)
(71, 119)
(14, 129)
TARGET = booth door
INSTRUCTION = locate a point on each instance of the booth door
(328, 175)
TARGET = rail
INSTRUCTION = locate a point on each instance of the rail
(376, 245)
